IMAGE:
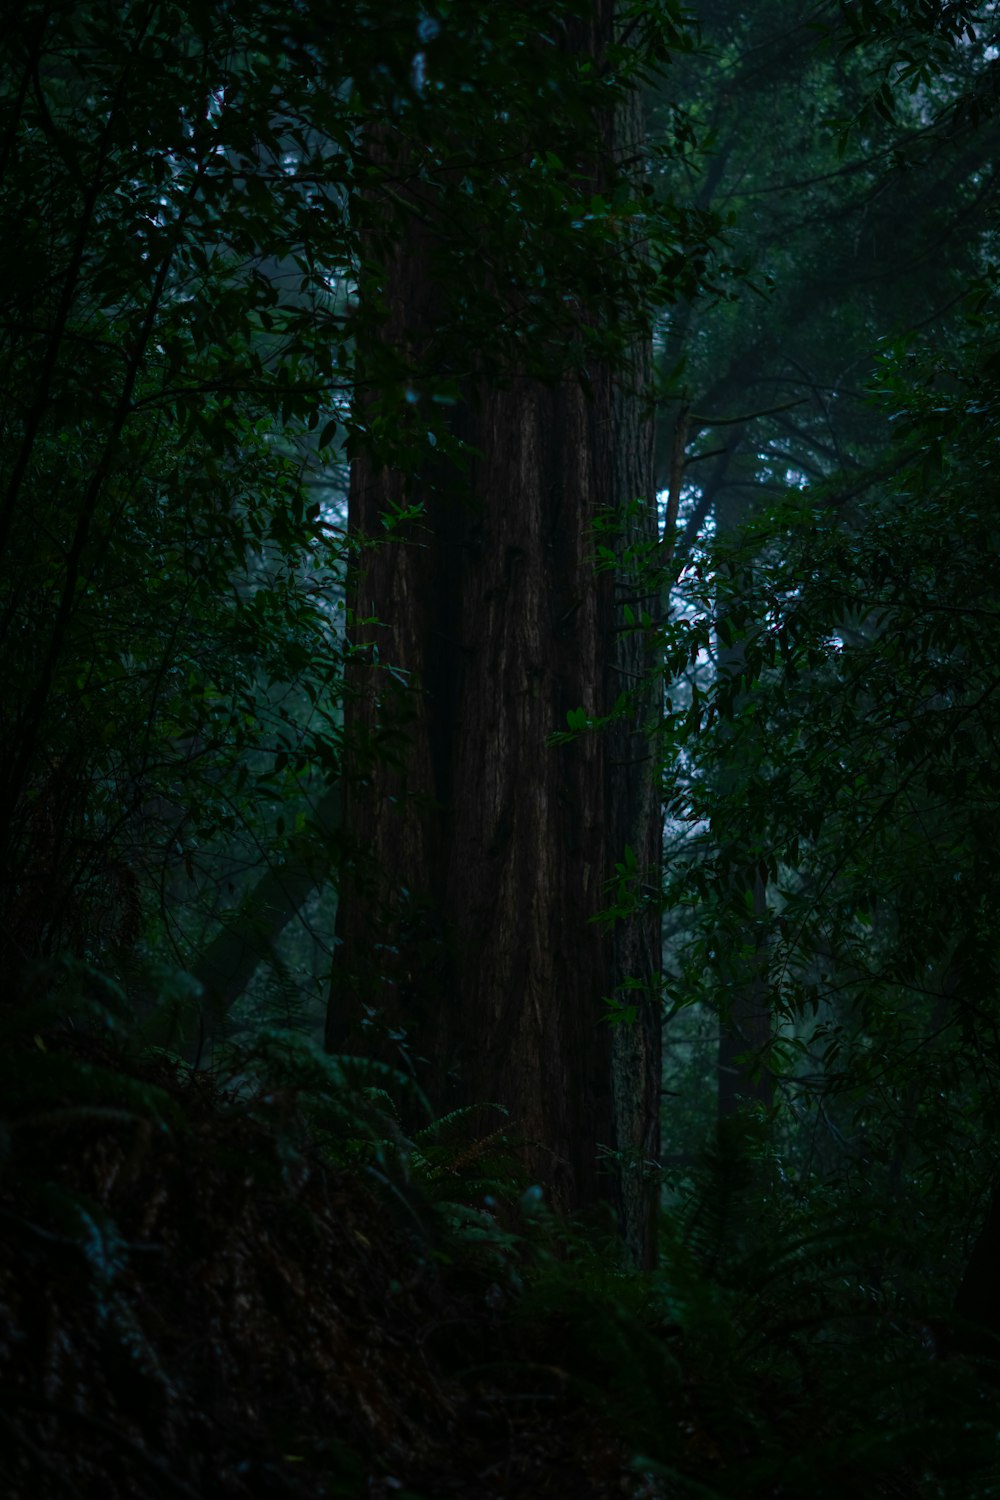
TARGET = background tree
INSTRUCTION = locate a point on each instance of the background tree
(847, 688)
(168, 630)
(876, 223)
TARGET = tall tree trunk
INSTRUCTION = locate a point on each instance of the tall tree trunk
(481, 851)
(746, 1026)
(746, 1021)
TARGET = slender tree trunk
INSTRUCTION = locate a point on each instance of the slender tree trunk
(746, 1023)
(481, 852)
(746, 1028)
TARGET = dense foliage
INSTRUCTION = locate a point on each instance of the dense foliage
(238, 1265)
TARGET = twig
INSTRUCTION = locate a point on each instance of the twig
(750, 416)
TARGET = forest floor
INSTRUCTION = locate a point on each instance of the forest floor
(202, 1311)
(195, 1303)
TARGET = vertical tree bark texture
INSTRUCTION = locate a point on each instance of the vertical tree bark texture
(483, 851)
(631, 777)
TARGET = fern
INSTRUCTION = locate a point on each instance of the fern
(455, 1152)
(342, 1106)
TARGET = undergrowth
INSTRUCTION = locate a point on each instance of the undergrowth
(257, 1282)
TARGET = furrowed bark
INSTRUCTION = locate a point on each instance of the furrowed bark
(479, 852)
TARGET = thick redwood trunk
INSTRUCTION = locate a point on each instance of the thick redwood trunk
(482, 852)
(529, 854)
